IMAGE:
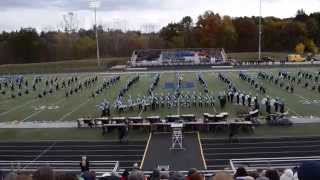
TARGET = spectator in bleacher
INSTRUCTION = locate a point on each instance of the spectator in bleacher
(23, 177)
(190, 172)
(287, 175)
(309, 171)
(272, 174)
(155, 175)
(84, 164)
(86, 175)
(242, 174)
(176, 176)
(222, 176)
(253, 174)
(114, 176)
(11, 176)
(44, 173)
(124, 175)
(196, 176)
(262, 178)
(123, 133)
(135, 167)
(66, 176)
(164, 174)
(136, 175)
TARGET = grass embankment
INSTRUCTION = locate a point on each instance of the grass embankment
(87, 65)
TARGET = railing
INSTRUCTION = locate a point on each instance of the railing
(275, 163)
(60, 166)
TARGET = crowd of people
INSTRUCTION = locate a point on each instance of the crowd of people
(308, 170)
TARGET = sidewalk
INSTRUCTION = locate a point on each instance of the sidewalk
(39, 125)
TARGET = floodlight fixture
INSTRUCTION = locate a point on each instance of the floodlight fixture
(94, 4)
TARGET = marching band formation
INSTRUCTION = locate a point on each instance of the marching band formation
(17, 86)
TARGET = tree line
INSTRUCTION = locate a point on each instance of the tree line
(240, 34)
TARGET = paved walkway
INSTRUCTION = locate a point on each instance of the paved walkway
(35, 124)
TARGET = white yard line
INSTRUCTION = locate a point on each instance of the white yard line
(74, 110)
(31, 115)
(6, 101)
(17, 107)
(38, 112)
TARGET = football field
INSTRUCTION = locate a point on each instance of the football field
(45, 102)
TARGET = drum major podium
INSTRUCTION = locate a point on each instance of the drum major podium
(177, 136)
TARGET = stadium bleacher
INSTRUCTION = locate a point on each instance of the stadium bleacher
(180, 57)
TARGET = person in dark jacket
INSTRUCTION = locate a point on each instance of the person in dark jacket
(84, 164)
(309, 171)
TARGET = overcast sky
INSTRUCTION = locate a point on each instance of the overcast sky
(133, 14)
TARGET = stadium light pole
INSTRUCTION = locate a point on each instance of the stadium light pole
(260, 30)
(95, 4)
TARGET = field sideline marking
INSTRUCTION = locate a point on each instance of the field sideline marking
(74, 110)
(17, 107)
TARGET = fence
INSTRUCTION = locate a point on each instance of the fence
(274, 163)
(99, 167)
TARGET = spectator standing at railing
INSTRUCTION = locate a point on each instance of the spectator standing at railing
(124, 175)
(155, 175)
(123, 133)
(222, 176)
(273, 174)
(46, 173)
(136, 175)
(84, 164)
(309, 171)
(287, 175)
(177, 176)
(242, 174)
(11, 176)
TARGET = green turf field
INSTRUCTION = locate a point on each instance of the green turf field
(85, 65)
(58, 107)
